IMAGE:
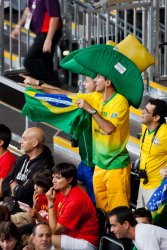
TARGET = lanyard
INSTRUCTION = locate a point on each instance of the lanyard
(34, 5)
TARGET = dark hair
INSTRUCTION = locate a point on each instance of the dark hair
(43, 179)
(5, 135)
(4, 213)
(9, 230)
(123, 214)
(160, 109)
(39, 224)
(67, 170)
(143, 212)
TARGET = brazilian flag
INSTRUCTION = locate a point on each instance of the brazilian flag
(58, 110)
(158, 205)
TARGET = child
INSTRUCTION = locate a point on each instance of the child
(39, 211)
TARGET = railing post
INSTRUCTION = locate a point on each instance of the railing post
(155, 37)
(2, 37)
(81, 77)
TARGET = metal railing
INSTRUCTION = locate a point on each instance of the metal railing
(96, 25)
(85, 24)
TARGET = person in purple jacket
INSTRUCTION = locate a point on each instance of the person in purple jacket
(44, 19)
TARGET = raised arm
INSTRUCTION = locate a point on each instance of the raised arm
(47, 88)
(55, 226)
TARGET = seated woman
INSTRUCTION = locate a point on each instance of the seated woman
(72, 215)
(10, 238)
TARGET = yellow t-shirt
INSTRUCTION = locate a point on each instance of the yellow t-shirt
(156, 158)
(109, 151)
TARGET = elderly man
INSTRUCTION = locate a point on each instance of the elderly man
(37, 156)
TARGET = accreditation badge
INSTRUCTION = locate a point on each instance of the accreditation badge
(28, 21)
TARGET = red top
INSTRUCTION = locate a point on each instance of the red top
(77, 213)
(42, 203)
(42, 206)
(7, 161)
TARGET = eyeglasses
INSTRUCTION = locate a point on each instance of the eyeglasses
(147, 111)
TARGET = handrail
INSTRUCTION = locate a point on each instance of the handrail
(12, 84)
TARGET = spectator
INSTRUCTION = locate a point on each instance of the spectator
(85, 169)
(153, 143)
(72, 215)
(41, 238)
(143, 215)
(144, 236)
(10, 238)
(39, 212)
(42, 183)
(44, 19)
(37, 157)
(7, 159)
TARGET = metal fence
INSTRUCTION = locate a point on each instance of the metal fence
(87, 23)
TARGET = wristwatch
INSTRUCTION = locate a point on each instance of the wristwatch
(41, 82)
(50, 206)
(92, 111)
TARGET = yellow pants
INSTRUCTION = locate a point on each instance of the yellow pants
(111, 187)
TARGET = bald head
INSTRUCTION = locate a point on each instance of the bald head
(36, 133)
(32, 139)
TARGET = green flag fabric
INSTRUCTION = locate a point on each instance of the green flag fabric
(58, 110)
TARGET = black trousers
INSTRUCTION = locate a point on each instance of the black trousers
(39, 64)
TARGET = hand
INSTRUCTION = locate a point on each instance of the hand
(51, 195)
(30, 81)
(12, 186)
(16, 32)
(84, 105)
(35, 198)
(32, 213)
(47, 46)
(163, 172)
(28, 247)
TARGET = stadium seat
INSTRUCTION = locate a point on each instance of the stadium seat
(103, 221)
(110, 243)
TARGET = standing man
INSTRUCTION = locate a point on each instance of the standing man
(85, 168)
(110, 131)
(37, 157)
(144, 236)
(44, 19)
(153, 143)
